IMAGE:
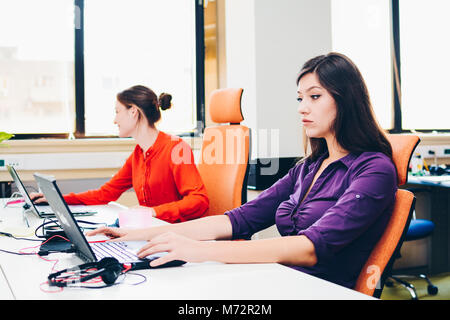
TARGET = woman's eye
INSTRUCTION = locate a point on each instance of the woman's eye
(315, 96)
(299, 99)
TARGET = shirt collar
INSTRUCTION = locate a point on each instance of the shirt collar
(346, 160)
(159, 142)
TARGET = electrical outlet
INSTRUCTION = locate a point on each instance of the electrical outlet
(63, 161)
(13, 161)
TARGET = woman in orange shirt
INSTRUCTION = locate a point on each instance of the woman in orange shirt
(161, 168)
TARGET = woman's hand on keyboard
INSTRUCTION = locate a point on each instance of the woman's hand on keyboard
(178, 247)
(119, 234)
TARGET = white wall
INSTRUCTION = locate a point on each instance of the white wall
(267, 42)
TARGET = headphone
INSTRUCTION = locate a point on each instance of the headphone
(108, 269)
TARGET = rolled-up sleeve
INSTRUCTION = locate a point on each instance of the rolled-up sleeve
(259, 213)
(370, 194)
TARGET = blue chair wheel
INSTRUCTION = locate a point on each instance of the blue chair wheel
(433, 290)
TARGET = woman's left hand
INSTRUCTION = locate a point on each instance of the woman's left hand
(177, 247)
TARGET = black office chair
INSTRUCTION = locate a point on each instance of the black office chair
(418, 229)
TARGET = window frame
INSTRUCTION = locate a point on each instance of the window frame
(396, 74)
(80, 126)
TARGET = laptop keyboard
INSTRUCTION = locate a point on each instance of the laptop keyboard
(117, 250)
(45, 209)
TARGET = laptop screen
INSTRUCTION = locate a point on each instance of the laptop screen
(48, 186)
(21, 188)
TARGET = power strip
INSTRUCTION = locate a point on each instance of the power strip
(438, 151)
(64, 161)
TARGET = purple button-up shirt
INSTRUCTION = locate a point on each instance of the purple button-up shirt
(344, 214)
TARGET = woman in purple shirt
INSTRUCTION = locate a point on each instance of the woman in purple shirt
(330, 209)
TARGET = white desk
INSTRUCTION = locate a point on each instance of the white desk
(192, 281)
(5, 290)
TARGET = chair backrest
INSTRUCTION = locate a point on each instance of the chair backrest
(403, 146)
(223, 163)
(379, 264)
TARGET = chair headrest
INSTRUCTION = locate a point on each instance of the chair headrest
(225, 105)
(403, 146)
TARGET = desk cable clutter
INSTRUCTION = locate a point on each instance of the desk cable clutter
(88, 275)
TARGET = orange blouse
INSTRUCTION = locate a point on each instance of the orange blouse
(165, 178)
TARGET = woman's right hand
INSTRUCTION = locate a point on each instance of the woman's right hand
(119, 234)
(127, 234)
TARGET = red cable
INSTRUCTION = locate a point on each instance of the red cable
(60, 289)
(55, 261)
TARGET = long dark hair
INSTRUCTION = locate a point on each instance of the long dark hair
(146, 100)
(355, 126)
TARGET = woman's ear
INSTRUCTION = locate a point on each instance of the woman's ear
(134, 111)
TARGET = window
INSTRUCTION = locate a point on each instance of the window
(361, 30)
(36, 66)
(62, 62)
(377, 33)
(424, 63)
(131, 42)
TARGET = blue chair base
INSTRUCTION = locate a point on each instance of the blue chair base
(418, 229)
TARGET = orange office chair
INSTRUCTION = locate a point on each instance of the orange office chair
(223, 163)
(379, 264)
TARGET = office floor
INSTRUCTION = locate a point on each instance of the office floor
(398, 292)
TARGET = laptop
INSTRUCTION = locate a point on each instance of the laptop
(124, 252)
(42, 210)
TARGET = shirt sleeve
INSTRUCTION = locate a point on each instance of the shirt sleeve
(110, 191)
(369, 195)
(259, 213)
(194, 200)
